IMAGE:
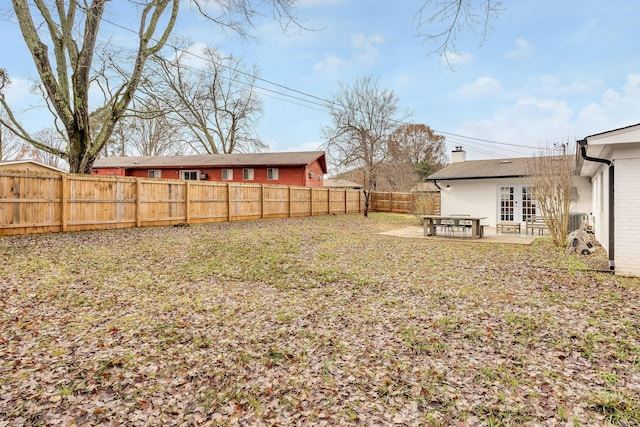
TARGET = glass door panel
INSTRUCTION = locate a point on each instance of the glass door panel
(507, 203)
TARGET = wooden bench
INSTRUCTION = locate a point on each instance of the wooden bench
(536, 223)
(508, 226)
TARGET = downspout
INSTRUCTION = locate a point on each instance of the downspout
(583, 152)
(436, 184)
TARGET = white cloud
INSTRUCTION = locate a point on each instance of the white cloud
(544, 108)
(530, 122)
(366, 52)
(312, 3)
(367, 46)
(553, 85)
(481, 86)
(538, 121)
(329, 66)
(453, 58)
(194, 56)
(19, 92)
(522, 49)
(616, 108)
(28, 105)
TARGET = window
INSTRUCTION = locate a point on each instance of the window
(155, 173)
(272, 174)
(528, 204)
(189, 175)
(507, 203)
(247, 174)
(227, 174)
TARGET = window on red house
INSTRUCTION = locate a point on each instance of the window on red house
(272, 174)
(247, 174)
(189, 175)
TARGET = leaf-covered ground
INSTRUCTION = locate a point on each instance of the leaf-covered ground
(311, 321)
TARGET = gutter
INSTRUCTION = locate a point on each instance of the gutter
(610, 163)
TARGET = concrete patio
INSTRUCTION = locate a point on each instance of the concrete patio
(490, 236)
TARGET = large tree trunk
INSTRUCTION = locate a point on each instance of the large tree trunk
(67, 79)
(367, 200)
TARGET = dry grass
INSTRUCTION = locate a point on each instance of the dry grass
(310, 321)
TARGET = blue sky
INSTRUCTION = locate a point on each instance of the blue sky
(549, 71)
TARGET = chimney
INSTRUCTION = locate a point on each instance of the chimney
(458, 155)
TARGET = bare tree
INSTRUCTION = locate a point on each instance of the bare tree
(446, 18)
(217, 103)
(9, 147)
(52, 138)
(63, 39)
(152, 134)
(72, 30)
(119, 140)
(415, 152)
(363, 118)
(551, 178)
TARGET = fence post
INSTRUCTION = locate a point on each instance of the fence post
(390, 202)
(261, 200)
(346, 206)
(138, 202)
(64, 195)
(310, 201)
(228, 202)
(290, 196)
(187, 201)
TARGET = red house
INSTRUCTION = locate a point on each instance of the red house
(289, 168)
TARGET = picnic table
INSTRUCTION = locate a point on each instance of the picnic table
(448, 224)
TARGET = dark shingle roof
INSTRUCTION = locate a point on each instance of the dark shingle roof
(340, 183)
(475, 169)
(217, 160)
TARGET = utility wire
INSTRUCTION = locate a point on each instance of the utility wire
(315, 101)
(325, 103)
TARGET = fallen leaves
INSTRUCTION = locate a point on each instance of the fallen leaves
(310, 321)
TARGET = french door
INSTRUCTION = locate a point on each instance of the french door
(515, 203)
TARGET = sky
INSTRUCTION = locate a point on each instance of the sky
(548, 73)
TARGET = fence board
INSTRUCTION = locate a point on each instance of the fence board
(301, 201)
(403, 202)
(37, 203)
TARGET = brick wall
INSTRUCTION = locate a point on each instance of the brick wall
(627, 214)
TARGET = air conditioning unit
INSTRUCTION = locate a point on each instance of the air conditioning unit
(204, 176)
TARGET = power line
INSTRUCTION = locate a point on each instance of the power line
(307, 98)
(324, 102)
(483, 140)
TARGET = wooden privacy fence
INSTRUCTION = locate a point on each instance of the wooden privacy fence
(40, 203)
(425, 202)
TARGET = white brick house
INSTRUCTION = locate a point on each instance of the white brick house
(497, 189)
(611, 160)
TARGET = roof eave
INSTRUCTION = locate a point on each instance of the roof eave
(475, 177)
